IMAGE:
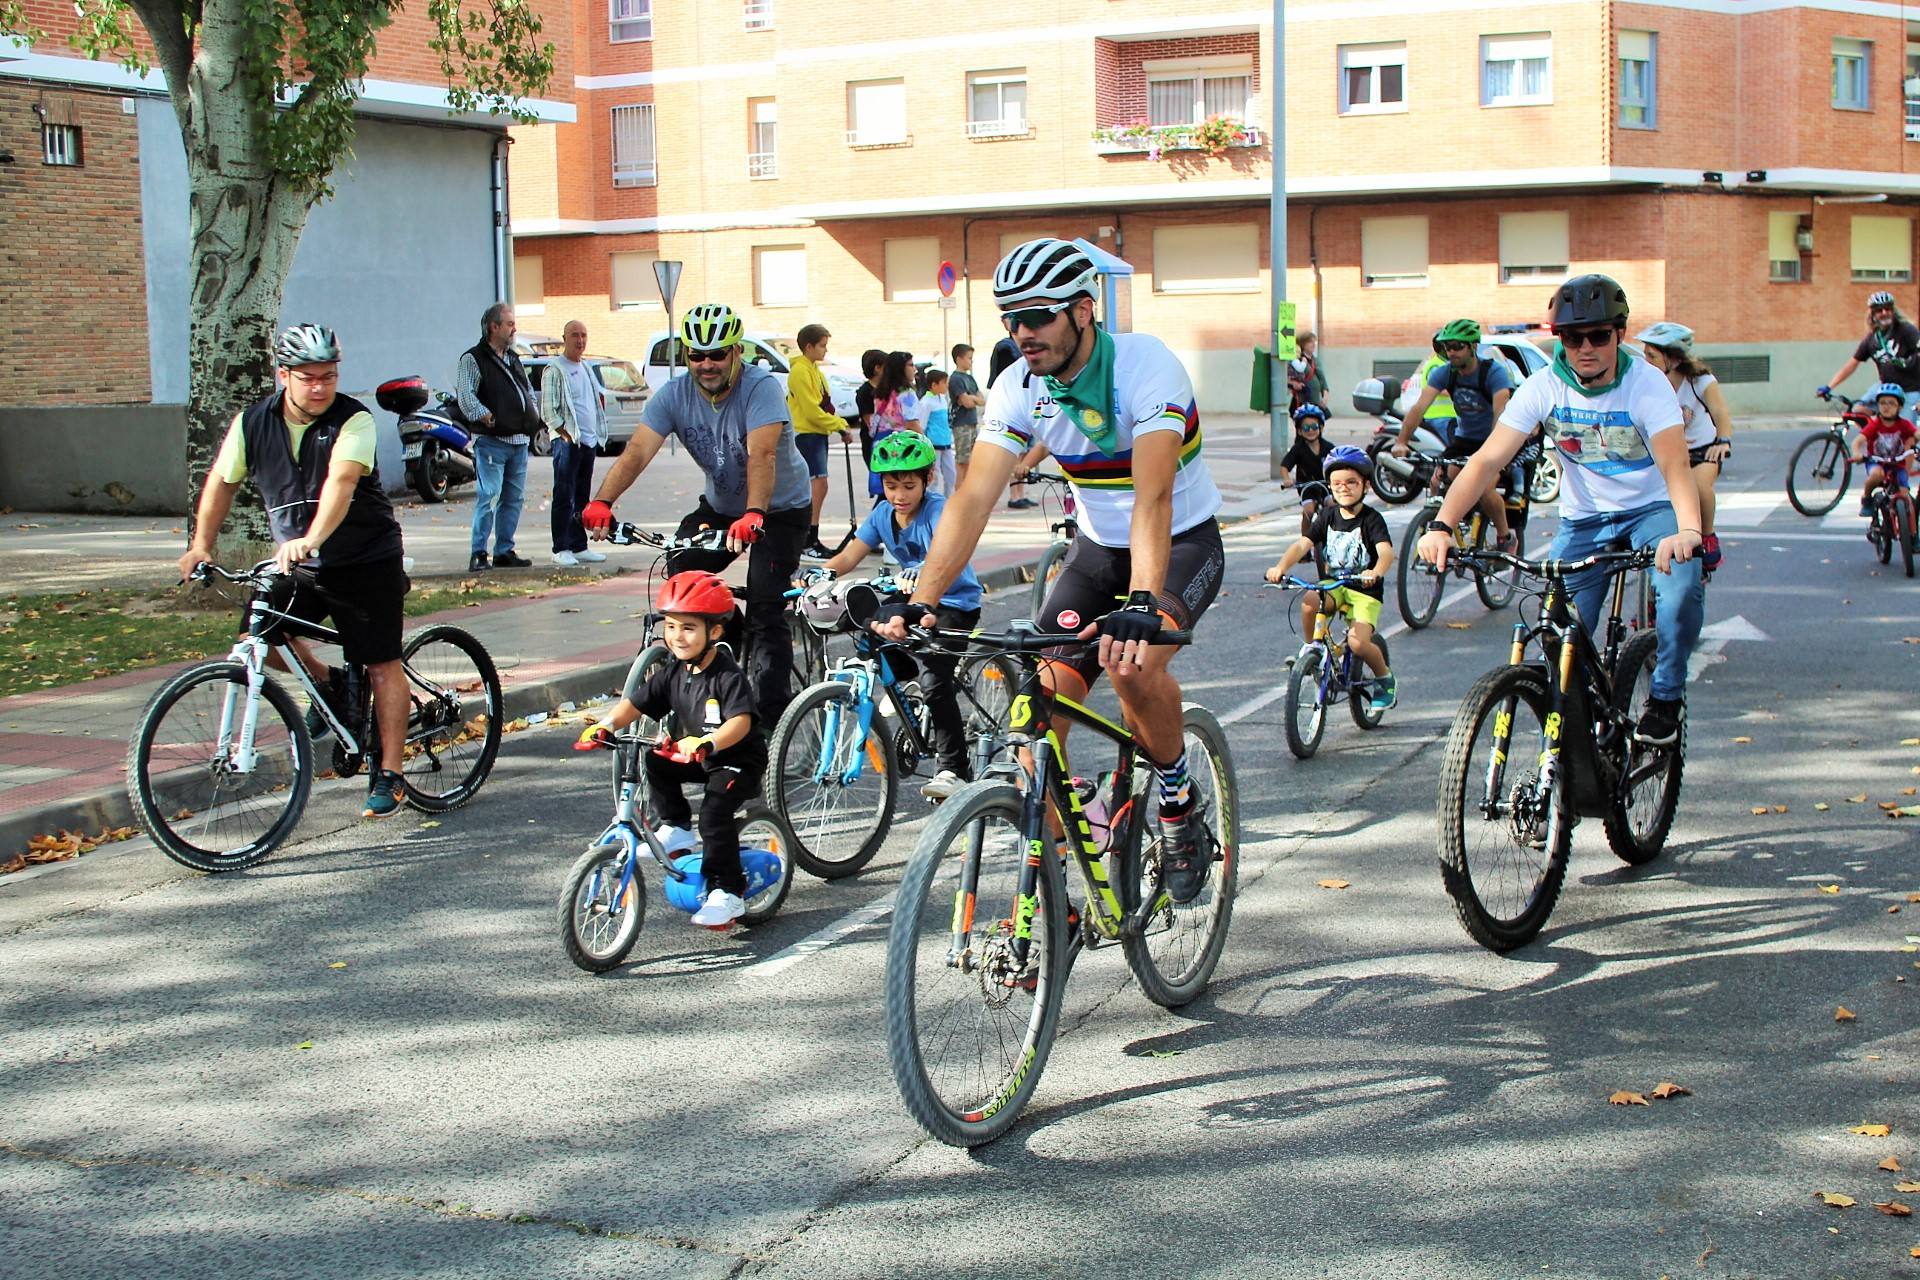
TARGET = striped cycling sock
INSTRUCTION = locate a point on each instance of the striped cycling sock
(1176, 788)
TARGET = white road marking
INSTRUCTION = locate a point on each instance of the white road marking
(852, 922)
(1714, 639)
(1746, 510)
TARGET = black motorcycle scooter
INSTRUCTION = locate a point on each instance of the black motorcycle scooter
(434, 442)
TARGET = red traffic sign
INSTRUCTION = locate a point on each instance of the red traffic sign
(946, 278)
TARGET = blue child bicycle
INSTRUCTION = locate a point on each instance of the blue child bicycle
(1326, 671)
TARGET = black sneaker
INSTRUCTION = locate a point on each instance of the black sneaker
(1183, 861)
(1660, 722)
(508, 560)
(814, 551)
(479, 562)
(1021, 504)
(335, 694)
(384, 797)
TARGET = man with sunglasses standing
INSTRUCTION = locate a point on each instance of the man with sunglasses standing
(732, 419)
(1478, 390)
(1623, 452)
(1117, 412)
(1893, 344)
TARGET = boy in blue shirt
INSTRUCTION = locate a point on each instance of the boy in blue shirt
(904, 525)
(933, 424)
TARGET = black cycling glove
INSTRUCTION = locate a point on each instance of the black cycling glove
(1138, 619)
(904, 610)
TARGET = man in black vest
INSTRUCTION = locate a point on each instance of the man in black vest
(311, 451)
(504, 411)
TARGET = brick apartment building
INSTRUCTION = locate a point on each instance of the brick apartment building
(94, 252)
(1748, 167)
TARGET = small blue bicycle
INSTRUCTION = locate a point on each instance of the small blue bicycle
(1325, 671)
(837, 756)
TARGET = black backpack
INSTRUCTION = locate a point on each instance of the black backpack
(1485, 376)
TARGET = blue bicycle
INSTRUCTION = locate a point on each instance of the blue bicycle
(1325, 671)
(837, 756)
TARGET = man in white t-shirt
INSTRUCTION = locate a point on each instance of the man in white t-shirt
(1117, 412)
(1618, 429)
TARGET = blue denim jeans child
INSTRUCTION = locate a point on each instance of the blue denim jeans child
(500, 476)
(1679, 599)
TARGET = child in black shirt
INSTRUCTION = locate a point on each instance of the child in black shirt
(1302, 463)
(708, 706)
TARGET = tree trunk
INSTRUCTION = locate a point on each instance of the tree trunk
(245, 226)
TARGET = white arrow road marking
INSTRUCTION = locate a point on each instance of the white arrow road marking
(1715, 637)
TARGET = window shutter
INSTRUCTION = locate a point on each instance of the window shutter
(60, 109)
(780, 273)
(1534, 239)
(1206, 259)
(1393, 248)
(633, 282)
(1781, 229)
(1636, 45)
(910, 267)
(1882, 244)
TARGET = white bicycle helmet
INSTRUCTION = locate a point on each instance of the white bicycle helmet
(305, 344)
(824, 606)
(1043, 270)
(1881, 298)
(1667, 334)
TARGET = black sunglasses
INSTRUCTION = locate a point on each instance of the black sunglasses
(1573, 339)
(1035, 318)
(1455, 346)
(709, 357)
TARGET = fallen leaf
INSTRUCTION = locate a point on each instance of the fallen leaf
(1334, 884)
(1913, 897)
(1889, 805)
(569, 611)
(1908, 791)
(1905, 1186)
(1837, 1200)
(1844, 1014)
(1627, 1098)
(1894, 910)
(338, 964)
(1892, 1165)
(1859, 799)
(428, 824)
(1164, 1053)
(1743, 740)
(1906, 811)
(1893, 1208)
(1779, 808)
(1758, 810)
(304, 1044)
(1822, 807)
(1870, 1130)
(1668, 1089)
(1910, 742)
(1460, 626)
(1829, 888)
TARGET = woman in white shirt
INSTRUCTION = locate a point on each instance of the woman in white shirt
(1708, 422)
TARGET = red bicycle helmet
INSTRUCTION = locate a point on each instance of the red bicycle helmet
(697, 592)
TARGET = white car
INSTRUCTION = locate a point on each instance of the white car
(769, 353)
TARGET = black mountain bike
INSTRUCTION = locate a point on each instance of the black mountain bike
(984, 934)
(1822, 464)
(221, 764)
(1536, 746)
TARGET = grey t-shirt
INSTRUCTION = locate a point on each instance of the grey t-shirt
(959, 384)
(716, 437)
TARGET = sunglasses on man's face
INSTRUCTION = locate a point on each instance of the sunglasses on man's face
(1451, 347)
(709, 357)
(1572, 339)
(1035, 318)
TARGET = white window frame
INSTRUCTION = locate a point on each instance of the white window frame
(1532, 272)
(758, 15)
(763, 148)
(1517, 49)
(1399, 280)
(1783, 270)
(1910, 87)
(861, 137)
(1196, 72)
(1650, 103)
(629, 21)
(634, 172)
(1371, 58)
(60, 145)
(999, 125)
(1852, 62)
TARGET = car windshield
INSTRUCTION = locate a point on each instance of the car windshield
(619, 375)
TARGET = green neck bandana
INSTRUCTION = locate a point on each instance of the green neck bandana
(1564, 371)
(1088, 399)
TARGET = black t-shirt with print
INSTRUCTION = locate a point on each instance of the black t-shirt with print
(1896, 354)
(1303, 463)
(699, 702)
(1344, 545)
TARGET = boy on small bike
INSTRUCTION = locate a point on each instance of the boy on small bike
(1886, 442)
(1348, 539)
(1304, 463)
(709, 709)
(904, 525)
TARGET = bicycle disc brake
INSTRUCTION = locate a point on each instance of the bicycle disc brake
(1000, 974)
(1527, 806)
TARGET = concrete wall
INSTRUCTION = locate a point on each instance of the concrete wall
(125, 459)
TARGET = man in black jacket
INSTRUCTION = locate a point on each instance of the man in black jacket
(311, 451)
(504, 411)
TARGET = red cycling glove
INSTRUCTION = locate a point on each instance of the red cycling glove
(748, 527)
(598, 516)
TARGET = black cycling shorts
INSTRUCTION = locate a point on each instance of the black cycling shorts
(1460, 448)
(366, 603)
(1697, 454)
(1095, 580)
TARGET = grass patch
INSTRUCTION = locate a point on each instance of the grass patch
(58, 639)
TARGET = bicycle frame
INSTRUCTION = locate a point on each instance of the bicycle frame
(630, 829)
(860, 673)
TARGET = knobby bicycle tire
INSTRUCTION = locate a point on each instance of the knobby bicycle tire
(1831, 451)
(1467, 872)
(1358, 703)
(1497, 589)
(599, 923)
(1637, 842)
(979, 1108)
(446, 732)
(1884, 535)
(1303, 698)
(1416, 576)
(1045, 570)
(1174, 957)
(836, 829)
(160, 791)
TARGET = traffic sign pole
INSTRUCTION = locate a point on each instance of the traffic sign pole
(944, 279)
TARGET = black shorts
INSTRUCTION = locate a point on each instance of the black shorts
(1460, 448)
(1697, 454)
(366, 603)
(1095, 580)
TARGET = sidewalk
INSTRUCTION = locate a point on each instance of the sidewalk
(63, 751)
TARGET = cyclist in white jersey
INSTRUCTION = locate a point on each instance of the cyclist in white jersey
(1117, 412)
(1622, 448)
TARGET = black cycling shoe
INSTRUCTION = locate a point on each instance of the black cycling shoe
(1182, 859)
(1660, 722)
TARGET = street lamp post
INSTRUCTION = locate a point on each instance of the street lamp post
(1279, 428)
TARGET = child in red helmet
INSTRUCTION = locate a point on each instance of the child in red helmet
(708, 706)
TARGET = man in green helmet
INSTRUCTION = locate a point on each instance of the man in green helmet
(1478, 389)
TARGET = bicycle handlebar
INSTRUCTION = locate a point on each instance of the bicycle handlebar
(1028, 638)
(1294, 582)
(1559, 570)
(624, 534)
(206, 571)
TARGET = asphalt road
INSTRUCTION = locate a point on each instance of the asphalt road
(1364, 1092)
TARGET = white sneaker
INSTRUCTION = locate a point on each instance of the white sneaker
(719, 910)
(942, 784)
(589, 556)
(565, 559)
(676, 840)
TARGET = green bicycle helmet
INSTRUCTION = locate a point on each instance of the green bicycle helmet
(1459, 331)
(711, 326)
(902, 451)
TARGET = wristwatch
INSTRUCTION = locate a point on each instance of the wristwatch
(1439, 526)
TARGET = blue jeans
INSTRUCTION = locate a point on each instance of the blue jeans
(572, 490)
(1680, 601)
(500, 476)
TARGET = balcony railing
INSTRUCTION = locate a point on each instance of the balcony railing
(1133, 139)
(1014, 127)
(763, 164)
(873, 138)
(759, 15)
(1913, 118)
